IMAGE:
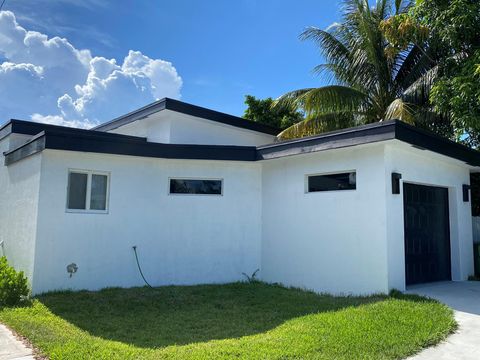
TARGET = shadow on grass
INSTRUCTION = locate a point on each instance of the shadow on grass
(178, 315)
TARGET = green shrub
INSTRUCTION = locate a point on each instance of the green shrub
(13, 284)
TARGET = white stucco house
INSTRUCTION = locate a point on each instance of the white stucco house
(207, 196)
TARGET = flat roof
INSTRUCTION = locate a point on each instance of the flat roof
(188, 109)
(33, 128)
(71, 139)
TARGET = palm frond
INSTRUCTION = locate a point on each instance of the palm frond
(324, 100)
(419, 91)
(398, 109)
(439, 123)
(381, 8)
(332, 48)
(367, 83)
(292, 99)
(413, 66)
(332, 99)
(317, 124)
(402, 6)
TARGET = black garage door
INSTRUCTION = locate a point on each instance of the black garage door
(427, 234)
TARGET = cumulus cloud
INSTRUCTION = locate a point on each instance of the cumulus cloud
(60, 120)
(49, 80)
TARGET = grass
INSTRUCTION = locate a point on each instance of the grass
(240, 320)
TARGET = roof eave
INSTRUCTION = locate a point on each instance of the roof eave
(61, 138)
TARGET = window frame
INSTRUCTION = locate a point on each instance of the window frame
(194, 178)
(89, 174)
(307, 176)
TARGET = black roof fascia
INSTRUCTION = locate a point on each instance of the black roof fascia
(5, 130)
(332, 140)
(387, 130)
(430, 141)
(97, 142)
(188, 109)
(62, 138)
(34, 128)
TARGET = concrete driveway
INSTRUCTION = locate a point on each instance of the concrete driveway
(11, 348)
(464, 298)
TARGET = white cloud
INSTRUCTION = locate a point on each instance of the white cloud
(49, 80)
(60, 120)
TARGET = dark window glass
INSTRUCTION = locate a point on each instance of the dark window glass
(189, 186)
(343, 181)
(98, 194)
(77, 191)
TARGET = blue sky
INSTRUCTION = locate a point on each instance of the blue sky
(220, 50)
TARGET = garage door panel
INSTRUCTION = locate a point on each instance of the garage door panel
(427, 234)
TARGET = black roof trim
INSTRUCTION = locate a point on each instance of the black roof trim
(99, 142)
(386, 130)
(34, 128)
(189, 109)
(64, 138)
(430, 141)
(5, 130)
(331, 140)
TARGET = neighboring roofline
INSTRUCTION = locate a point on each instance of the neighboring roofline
(71, 139)
(188, 109)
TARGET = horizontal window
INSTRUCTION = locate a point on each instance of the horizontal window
(196, 186)
(330, 182)
(87, 191)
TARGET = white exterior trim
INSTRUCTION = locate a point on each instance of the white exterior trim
(88, 190)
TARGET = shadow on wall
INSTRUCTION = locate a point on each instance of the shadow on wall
(179, 315)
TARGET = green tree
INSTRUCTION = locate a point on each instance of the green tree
(454, 37)
(369, 78)
(263, 111)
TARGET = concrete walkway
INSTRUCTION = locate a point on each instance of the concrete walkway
(11, 348)
(464, 298)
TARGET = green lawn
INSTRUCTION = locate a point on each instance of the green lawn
(240, 320)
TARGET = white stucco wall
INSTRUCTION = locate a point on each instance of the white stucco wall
(427, 168)
(177, 128)
(181, 239)
(338, 242)
(153, 128)
(191, 130)
(19, 190)
(331, 241)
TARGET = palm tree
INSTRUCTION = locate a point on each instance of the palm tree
(369, 79)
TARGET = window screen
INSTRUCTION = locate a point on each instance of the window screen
(98, 198)
(195, 186)
(77, 191)
(330, 182)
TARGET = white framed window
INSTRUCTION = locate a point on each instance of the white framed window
(331, 182)
(195, 186)
(88, 191)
